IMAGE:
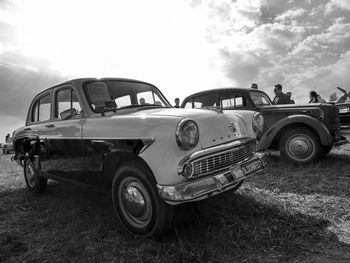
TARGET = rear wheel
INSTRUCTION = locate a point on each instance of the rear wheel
(34, 182)
(136, 201)
(300, 145)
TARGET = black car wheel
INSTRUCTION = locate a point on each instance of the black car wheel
(300, 145)
(34, 182)
(136, 201)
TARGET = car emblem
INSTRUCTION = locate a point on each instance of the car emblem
(232, 127)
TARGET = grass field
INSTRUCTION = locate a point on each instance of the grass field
(292, 214)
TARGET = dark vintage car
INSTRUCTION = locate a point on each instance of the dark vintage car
(7, 147)
(124, 136)
(302, 133)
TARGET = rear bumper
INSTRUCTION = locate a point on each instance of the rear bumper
(204, 187)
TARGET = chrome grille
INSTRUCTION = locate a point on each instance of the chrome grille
(221, 161)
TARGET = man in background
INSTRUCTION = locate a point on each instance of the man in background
(280, 97)
(290, 97)
(177, 103)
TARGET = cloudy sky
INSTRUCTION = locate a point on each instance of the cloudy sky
(180, 46)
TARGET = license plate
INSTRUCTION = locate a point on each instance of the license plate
(243, 170)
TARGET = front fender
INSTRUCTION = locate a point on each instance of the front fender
(296, 120)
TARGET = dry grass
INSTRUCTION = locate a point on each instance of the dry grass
(292, 214)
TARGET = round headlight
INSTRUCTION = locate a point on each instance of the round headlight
(258, 122)
(187, 134)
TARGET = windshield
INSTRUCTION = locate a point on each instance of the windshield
(115, 95)
(260, 98)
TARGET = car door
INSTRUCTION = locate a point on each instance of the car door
(39, 115)
(64, 136)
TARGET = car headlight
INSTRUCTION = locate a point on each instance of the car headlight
(258, 123)
(187, 134)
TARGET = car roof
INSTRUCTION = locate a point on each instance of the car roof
(72, 81)
(223, 90)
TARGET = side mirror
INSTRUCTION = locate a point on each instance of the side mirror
(68, 114)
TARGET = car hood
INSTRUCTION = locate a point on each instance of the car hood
(169, 112)
(214, 127)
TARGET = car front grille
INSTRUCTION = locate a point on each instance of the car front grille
(221, 161)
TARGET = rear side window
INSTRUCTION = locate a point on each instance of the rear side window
(206, 100)
(66, 99)
(42, 109)
(232, 101)
(188, 104)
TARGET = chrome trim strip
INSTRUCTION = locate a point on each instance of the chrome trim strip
(95, 138)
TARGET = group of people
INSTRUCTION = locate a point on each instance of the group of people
(285, 98)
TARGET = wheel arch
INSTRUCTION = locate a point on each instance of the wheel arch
(272, 136)
(26, 146)
(116, 157)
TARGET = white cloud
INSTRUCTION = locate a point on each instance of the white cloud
(297, 44)
(342, 3)
(180, 47)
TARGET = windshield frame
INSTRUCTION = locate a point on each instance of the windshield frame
(153, 89)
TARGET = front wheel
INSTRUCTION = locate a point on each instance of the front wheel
(34, 182)
(300, 145)
(136, 201)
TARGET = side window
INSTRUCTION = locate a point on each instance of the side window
(42, 109)
(66, 100)
(123, 101)
(205, 101)
(232, 101)
(145, 97)
(188, 104)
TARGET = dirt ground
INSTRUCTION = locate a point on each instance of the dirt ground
(291, 214)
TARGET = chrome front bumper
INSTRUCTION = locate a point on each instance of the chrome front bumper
(210, 185)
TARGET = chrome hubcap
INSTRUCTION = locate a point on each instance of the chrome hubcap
(30, 174)
(135, 202)
(301, 147)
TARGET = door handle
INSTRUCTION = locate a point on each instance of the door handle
(49, 125)
(27, 129)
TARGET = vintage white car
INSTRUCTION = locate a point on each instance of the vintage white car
(123, 134)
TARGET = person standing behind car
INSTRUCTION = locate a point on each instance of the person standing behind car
(315, 98)
(290, 97)
(177, 103)
(280, 97)
(254, 86)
